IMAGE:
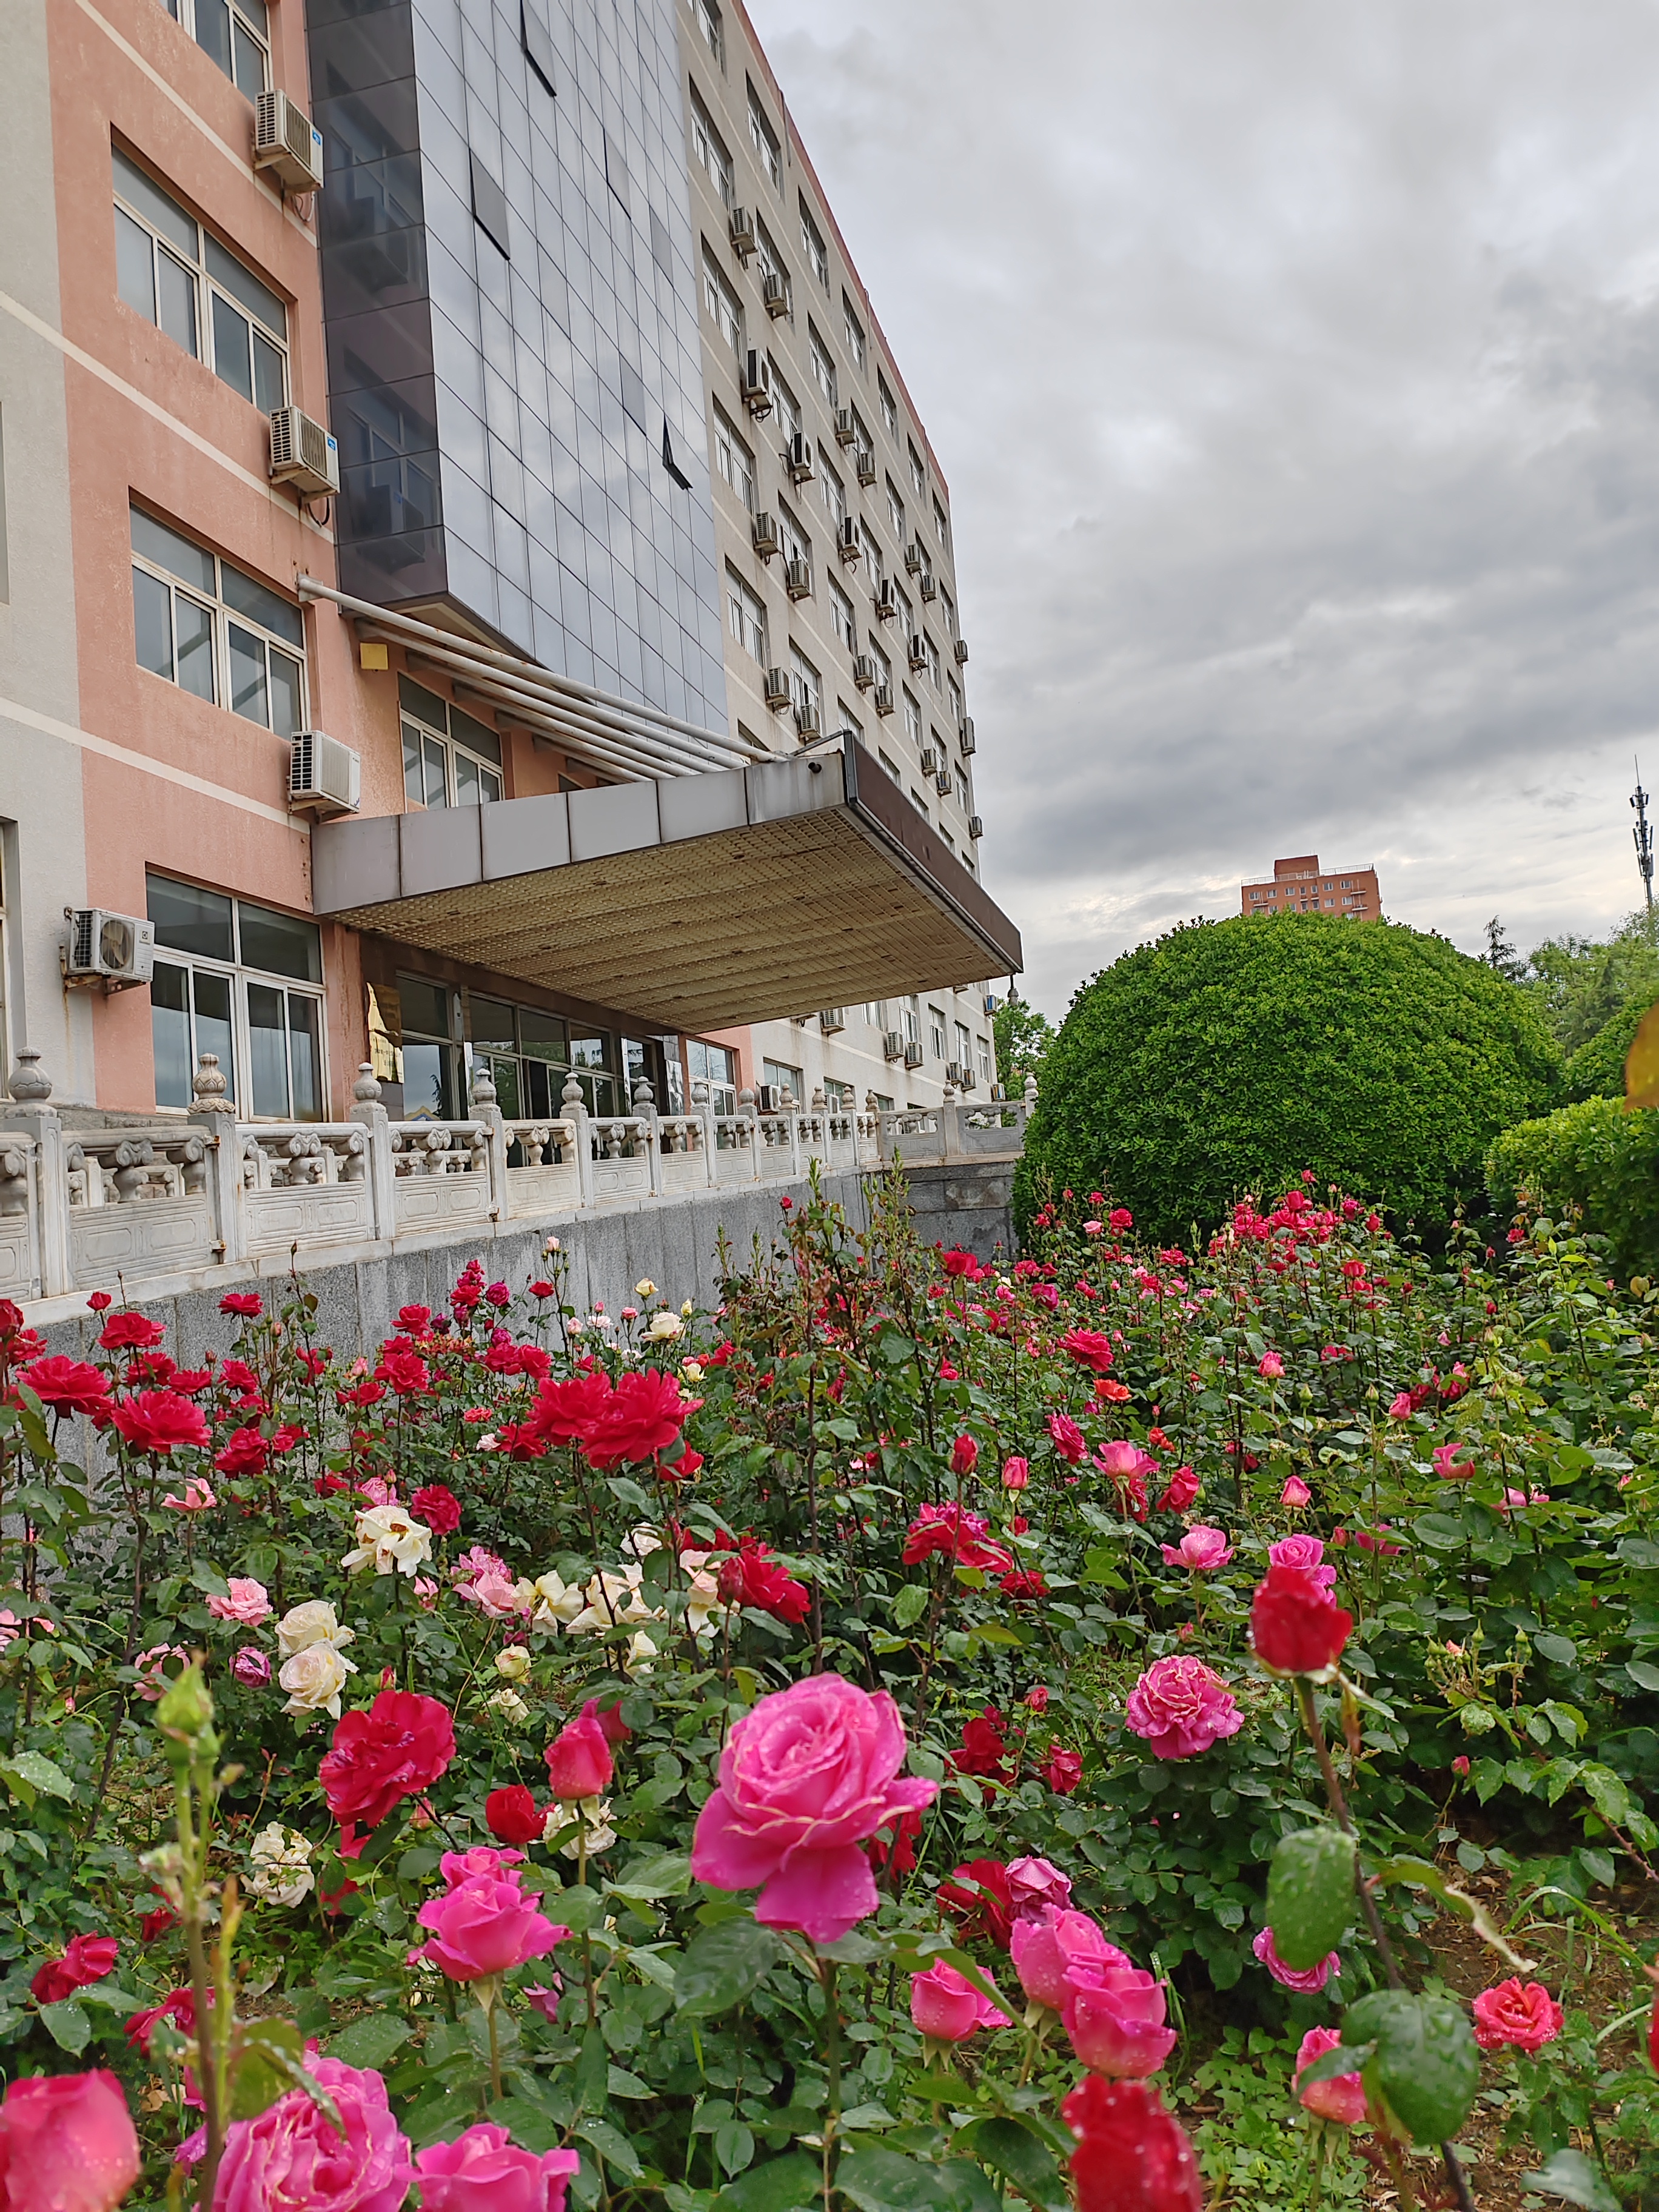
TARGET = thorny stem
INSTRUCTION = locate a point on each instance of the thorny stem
(1316, 1733)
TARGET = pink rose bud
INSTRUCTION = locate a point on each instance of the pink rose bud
(1271, 1365)
(944, 2004)
(578, 1761)
(1461, 1763)
(1036, 1884)
(485, 2171)
(1296, 1494)
(964, 1456)
(67, 2140)
(1308, 1981)
(1016, 1474)
(1201, 1550)
(1342, 2099)
(252, 1666)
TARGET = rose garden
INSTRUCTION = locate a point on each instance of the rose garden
(1159, 1727)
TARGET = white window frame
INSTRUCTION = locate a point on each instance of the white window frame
(832, 492)
(938, 1035)
(765, 140)
(874, 569)
(706, 16)
(700, 1065)
(847, 719)
(797, 545)
(912, 719)
(469, 778)
(935, 672)
(853, 330)
(769, 262)
(964, 795)
(724, 308)
(941, 524)
(805, 685)
(895, 510)
(884, 666)
(891, 767)
(812, 244)
(244, 56)
(823, 364)
(228, 618)
(918, 472)
(709, 151)
(733, 459)
(842, 619)
(239, 976)
(888, 405)
(784, 400)
(746, 618)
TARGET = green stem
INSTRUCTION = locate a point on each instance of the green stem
(832, 2066)
(494, 2053)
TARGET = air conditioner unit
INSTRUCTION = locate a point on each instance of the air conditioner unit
(865, 464)
(969, 1080)
(942, 783)
(975, 826)
(322, 772)
(929, 584)
(302, 454)
(913, 557)
(864, 671)
(832, 1018)
(965, 738)
(776, 293)
(116, 950)
(288, 142)
(954, 1074)
(806, 718)
(883, 697)
(929, 761)
(892, 1045)
(886, 599)
(756, 383)
(846, 541)
(798, 457)
(764, 531)
(777, 689)
(918, 651)
(768, 1098)
(846, 427)
(959, 651)
(798, 580)
(913, 1055)
(743, 233)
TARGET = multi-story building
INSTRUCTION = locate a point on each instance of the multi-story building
(1297, 886)
(832, 527)
(434, 771)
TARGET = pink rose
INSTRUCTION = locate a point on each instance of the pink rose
(198, 1495)
(1448, 1466)
(497, 1597)
(1067, 1438)
(578, 1761)
(1309, 1980)
(808, 1774)
(484, 1924)
(1523, 2015)
(1201, 1549)
(485, 2171)
(67, 2144)
(1036, 1884)
(248, 1603)
(1342, 2099)
(1295, 1493)
(292, 2156)
(1181, 1707)
(1117, 2027)
(1016, 1474)
(944, 2004)
(1271, 1365)
(1061, 1953)
(252, 1666)
(1400, 1410)
(1306, 1552)
(1122, 1461)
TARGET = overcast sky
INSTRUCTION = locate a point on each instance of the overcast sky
(1294, 367)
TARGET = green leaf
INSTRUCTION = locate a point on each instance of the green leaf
(1561, 1649)
(67, 2025)
(724, 1966)
(793, 2183)
(612, 2145)
(1570, 2175)
(910, 1604)
(266, 2054)
(1423, 1873)
(1438, 1531)
(1334, 2065)
(526, 2124)
(369, 2041)
(1426, 2064)
(969, 2185)
(1645, 1675)
(666, 1874)
(37, 1775)
(1310, 1895)
(877, 2180)
(1012, 2151)
(206, 1576)
(734, 2145)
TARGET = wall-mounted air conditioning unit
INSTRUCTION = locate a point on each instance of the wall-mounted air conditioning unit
(302, 454)
(832, 1018)
(929, 761)
(776, 293)
(955, 1073)
(324, 775)
(942, 783)
(929, 584)
(864, 465)
(846, 427)
(798, 581)
(959, 651)
(886, 599)
(768, 1098)
(798, 457)
(846, 541)
(287, 143)
(742, 228)
(913, 1055)
(115, 949)
(806, 718)
(892, 1045)
(864, 672)
(975, 826)
(882, 697)
(756, 383)
(777, 689)
(913, 557)
(965, 738)
(764, 533)
(918, 650)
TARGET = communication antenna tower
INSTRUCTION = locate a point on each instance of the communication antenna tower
(1643, 835)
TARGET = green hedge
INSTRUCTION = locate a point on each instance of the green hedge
(1593, 1155)
(1596, 1070)
(1228, 1056)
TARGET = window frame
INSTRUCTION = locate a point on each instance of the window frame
(853, 332)
(918, 470)
(745, 610)
(732, 459)
(843, 619)
(822, 362)
(832, 492)
(895, 509)
(710, 152)
(812, 244)
(720, 301)
(708, 19)
(458, 751)
(240, 976)
(769, 147)
(806, 684)
(241, 17)
(888, 405)
(224, 617)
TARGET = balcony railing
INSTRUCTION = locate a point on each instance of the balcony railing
(163, 1206)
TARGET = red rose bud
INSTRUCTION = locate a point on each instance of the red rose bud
(512, 1816)
(1131, 2156)
(579, 1762)
(964, 1456)
(1295, 1626)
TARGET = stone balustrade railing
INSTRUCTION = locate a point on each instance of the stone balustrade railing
(84, 1209)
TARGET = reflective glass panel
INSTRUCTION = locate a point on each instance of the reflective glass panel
(152, 623)
(305, 1057)
(190, 920)
(267, 1040)
(247, 676)
(195, 633)
(169, 1021)
(213, 1029)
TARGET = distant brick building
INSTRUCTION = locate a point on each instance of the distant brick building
(1299, 887)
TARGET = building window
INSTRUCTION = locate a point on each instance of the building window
(449, 758)
(947, 608)
(913, 1020)
(884, 666)
(931, 653)
(889, 405)
(891, 767)
(847, 722)
(236, 38)
(824, 367)
(894, 510)
(964, 1048)
(746, 617)
(717, 1066)
(982, 1058)
(797, 545)
(853, 330)
(788, 405)
(709, 149)
(207, 627)
(770, 263)
(941, 526)
(912, 721)
(707, 17)
(243, 982)
(181, 279)
(918, 473)
(872, 562)
(5, 970)
(778, 1075)
(804, 688)
(936, 1031)
(721, 302)
(953, 693)
(734, 459)
(812, 246)
(527, 1056)
(919, 804)
(963, 798)
(842, 618)
(765, 139)
(832, 492)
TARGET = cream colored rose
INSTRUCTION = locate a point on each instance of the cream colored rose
(594, 1813)
(703, 1608)
(513, 1663)
(314, 1677)
(309, 1624)
(391, 1541)
(557, 1601)
(692, 1370)
(665, 1326)
(279, 1866)
(510, 1705)
(645, 1288)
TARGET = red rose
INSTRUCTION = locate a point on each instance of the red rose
(643, 1415)
(131, 1332)
(99, 1302)
(1062, 1770)
(1131, 2156)
(154, 1925)
(512, 1816)
(402, 1744)
(439, 1507)
(160, 1421)
(68, 1386)
(88, 1958)
(1088, 1348)
(985, 1906)
(565, 1412)
(983, 1748)
(179, 2006)
(244, 1453)
(1179, 1492)
(751, 1576)
(1295, 1626)
(901, 1853)
(616, 1729)
(406, 1371)
(543, 1289)
(247, 1305)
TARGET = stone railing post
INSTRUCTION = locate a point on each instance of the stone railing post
(1030, 1100)
(950, 1124)
(215, 1115)
(376, 1124)
(704, 1111)
(485, 1109)
(575, 1109)
(645, 1110)
(791, 1117)
(746, 1107)
(32, 1113)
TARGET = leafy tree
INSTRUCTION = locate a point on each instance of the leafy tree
(1594, 1156)
(1500, 955)
(1228, 1056)
(1581, 982)
(1023, 1038)
(1596, 1070)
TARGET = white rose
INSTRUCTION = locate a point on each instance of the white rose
(510, 1705)
(642, 1653)
(645, 1288)
(595, 1816)
(279, 1866)
(557, 1601)
(692, 1370)
(309, 1624)
(391, 1541)
(665, 1326)
(513, 1663)
(314, 1677)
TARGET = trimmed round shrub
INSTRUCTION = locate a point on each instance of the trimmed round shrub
(1228, 1056)
(1596, 1070)
(1596, 1157)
